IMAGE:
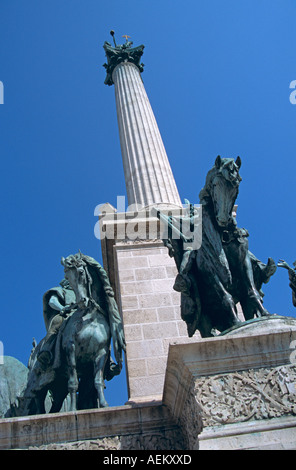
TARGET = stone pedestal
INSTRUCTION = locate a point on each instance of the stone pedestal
(243, 383)
(142, 275)
(148, 427)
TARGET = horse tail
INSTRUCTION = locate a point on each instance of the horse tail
(116, 327)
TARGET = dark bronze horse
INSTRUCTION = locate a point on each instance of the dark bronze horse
(82, 359)
(222, 272)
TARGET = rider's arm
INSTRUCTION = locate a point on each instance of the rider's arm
(55, 304)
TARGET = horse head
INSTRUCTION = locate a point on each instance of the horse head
(222, 188)
(77, 274)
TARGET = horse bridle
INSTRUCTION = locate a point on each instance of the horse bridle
(88, 285)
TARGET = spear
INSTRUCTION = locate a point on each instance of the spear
(112, 34)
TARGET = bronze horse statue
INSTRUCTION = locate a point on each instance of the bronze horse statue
(82, 358)
(222, 272)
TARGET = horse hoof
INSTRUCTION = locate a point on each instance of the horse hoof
(264, 313)
(103, 404)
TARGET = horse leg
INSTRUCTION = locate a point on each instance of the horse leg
(241, 267)
(72, 375)
(99, 368)
(230, 319)
(57, 404)
(252, 303)
(40, 405)
(205, 326)
(59, 394)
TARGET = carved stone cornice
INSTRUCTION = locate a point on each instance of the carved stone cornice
(119, 54)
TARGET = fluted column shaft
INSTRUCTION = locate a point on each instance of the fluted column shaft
(148, 175)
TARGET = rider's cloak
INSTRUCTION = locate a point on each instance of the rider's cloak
(65, 297)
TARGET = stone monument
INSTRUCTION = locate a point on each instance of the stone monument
(74, 358)
(149, 288)
(208, 367)
(221, 271)
(292, 277)
(13, 379)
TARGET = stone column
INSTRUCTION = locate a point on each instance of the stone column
(141, 271)
(148, 175)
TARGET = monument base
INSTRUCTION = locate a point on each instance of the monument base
(243, 383)
(146, 427)
(233, 391)
(271, 434)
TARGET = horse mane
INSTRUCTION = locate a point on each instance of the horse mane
(98, 273)
(204, 195)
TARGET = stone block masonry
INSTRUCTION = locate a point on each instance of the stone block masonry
(151, 314)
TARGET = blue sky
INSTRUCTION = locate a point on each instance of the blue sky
(217, 75)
